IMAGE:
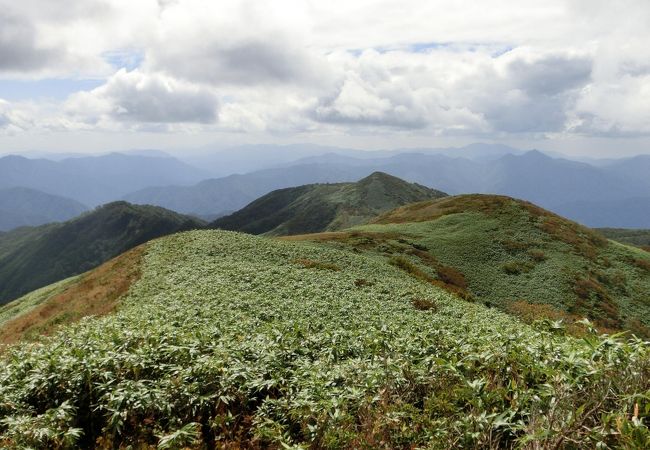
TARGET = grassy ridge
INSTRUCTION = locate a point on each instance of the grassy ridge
(236, 341)
(515, 256)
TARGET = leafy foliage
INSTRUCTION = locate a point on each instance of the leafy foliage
(226, 341)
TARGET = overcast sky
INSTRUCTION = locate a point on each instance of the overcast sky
(94, 75)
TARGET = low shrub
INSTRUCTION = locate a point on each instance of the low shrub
(424, 304)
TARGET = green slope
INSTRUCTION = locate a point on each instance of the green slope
(515, 256)
(324, 207)
(34, 257)
(236, 341)
(640, 238)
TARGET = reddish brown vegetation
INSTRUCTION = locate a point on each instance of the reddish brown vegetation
(96, 293)
(642, 264)
(424, 304)
(533, 312)
(594, 302)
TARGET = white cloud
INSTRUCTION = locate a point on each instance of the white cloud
(136, 97)
(444, 67)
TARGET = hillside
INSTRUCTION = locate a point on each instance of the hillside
(28, 207)
(324, 207)
(34, 257)
(94, 180)
(640, 238)
(512, 255)
(235, 341)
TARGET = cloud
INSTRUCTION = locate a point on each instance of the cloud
(138, 97)
(18, 48)
(445, 68)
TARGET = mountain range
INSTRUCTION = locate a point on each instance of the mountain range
(557, 184)
(94, 180)
(599, 193)
(450, 322)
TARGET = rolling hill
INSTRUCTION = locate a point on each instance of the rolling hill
(28, 207)
(220, 339)
(324, 207)
(34, 257)
(512, 255)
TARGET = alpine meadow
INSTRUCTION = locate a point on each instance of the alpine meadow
(248, 225)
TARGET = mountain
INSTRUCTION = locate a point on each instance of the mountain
(640, 238)
(34, 257)
(635, 169)
(324, 207)
(233, 192)
(550, 182)
(219, 339)
(618, 213)
(28, 207)
(95, 180)
(512, 255)
(553, 183)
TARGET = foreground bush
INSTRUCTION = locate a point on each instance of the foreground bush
(229, 341)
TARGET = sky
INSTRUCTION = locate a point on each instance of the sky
(94, 75)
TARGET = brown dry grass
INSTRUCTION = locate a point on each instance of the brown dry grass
(95, 294)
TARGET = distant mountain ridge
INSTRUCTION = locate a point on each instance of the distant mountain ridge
(325, 207)
(533, 176)
(20, 206)
(34, 257)
(95, 180)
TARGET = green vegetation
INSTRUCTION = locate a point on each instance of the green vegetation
(229, 340)
(34, 257)
(324, 207)
(511, 255)
(640, 238)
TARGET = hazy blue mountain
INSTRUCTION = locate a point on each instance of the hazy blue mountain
(550, 182)
(635, 169)
(620, 213)
(532, 176)
(21, 206)
(95, 180)
(251, 158)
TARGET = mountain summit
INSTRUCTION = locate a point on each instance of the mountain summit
(325, 207)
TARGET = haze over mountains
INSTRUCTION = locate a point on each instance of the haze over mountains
(599, 193)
